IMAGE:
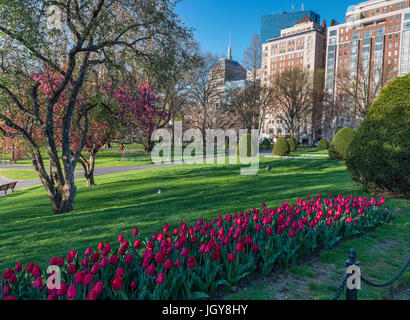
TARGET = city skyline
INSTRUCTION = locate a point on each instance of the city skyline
(214, 21)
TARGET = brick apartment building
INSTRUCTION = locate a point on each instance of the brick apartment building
(302, 45)
(373, 42)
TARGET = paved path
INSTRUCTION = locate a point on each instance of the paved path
(98, 171)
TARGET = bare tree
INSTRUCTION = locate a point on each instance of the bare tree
(86, 34)
(206, 93)
(293, 98)
(358, 89)
(252, 59)
(319, 93)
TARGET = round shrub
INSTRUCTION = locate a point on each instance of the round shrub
(281, 147)
(323, 144)
(379, 154)
(245, 142)
(292, 144)
(340, 143)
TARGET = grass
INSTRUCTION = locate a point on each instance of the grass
(19, 174)
(132, 155)
(30, 232)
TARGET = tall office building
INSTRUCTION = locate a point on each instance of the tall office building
(373, 42)
(303, 45)
(272, 24)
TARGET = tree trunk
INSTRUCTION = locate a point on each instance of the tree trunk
(148, 145)
(60, 190)
(88, 168)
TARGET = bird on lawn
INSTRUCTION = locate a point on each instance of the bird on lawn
(159, 191)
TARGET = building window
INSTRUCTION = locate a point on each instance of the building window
(381, 30)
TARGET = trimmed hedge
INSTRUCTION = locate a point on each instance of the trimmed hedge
(292, 144)
(379, 154)
(340, 143)
(323, 144)
(281, 147)
(251, 149)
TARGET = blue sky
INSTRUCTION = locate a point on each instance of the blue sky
(213, 20)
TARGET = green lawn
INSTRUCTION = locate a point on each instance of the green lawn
(29, 231)
(19, 174)
(132, 155)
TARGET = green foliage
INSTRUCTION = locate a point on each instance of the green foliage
(340, 143)
(292, 144)
(380, 151)
(250, 147)
(265, 142)
(323, 144)
(281, 147)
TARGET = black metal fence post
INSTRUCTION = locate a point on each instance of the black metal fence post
(351, 294)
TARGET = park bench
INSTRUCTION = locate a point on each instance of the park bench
(8, 186)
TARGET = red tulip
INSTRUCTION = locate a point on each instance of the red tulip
(12, 278)
(84, 263)
(113, 260)
(166, 228)
(231, 256)
(151, 269)
(71, 269)
(133, 285)
(160, 278)
(128, 259)
(88, 252)
(216, 255)
(72, 292)
(120, 272)
(29, 267)
(137, 244)
(95, 268)
(135, 231)
(120, 238)
(167, 264)
(88, 279)
(184, 252)
(103, 262)
(107, 249)
(7, 273)
(177, 264)
(101, 246)
(18, 267)
(36, 271)
(78, 278)
(53, 261)
(191, 262)
(98, 287)
(269, 231)
(291, 233)
(62, 291)
(95, 257)
(38, 282)
(255, 248)
(239, 247)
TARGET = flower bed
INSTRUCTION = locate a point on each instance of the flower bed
(191, 262)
